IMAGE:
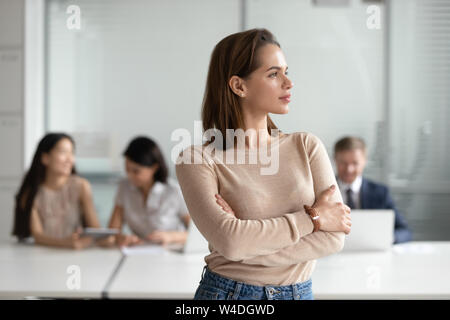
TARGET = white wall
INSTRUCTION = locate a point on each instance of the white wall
(34, 77)
(134, 67)
(11, 108)
(420, 113)
(336, 63)
(142, 70)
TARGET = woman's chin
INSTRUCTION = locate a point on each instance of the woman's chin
(64, 172)
(282, 110)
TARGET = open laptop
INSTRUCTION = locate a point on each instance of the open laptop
(195, 242)
(372, 230)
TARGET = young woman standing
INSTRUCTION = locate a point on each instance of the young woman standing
(265, 240)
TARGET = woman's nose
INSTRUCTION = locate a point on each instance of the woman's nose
(288, 84)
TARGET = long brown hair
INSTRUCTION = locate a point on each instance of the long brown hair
(236, 54)
(34, 177)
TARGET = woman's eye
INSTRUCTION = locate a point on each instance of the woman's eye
(286, 73)
(273, 74)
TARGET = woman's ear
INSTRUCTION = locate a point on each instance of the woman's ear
(45, 159)
(155, 167)
(237, 85)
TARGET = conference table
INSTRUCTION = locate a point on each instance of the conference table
(414, 270)
(28, 271)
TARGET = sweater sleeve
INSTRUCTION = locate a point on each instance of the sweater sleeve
(233, 238)
(320, 243)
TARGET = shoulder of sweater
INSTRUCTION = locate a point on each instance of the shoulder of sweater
(194, 154)
(305, 135)
(306, 139)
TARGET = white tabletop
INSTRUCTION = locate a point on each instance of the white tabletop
(416, 270)
(36, 271)
(168, 276)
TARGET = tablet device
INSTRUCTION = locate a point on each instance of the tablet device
(98, 233)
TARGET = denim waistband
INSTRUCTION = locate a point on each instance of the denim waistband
(226, 284)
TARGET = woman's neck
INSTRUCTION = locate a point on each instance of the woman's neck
(260, 134)
(145, 190)
(55, 181)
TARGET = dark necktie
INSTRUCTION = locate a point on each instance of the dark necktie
(350, 202)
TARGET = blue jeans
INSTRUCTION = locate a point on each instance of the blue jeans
(215, 287)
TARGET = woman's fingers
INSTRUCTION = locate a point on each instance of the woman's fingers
(127, 240)
(134, 240)
(347, 230)
(119, 240)
(344, 207)
(348, 226)
(106, 242)
(161, 237)
(124, 242)
(155, 236)
(327, 193)
(347, 209)
(223, 205)
(220, 201)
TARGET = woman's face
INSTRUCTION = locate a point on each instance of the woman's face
(60, 160)
(139, 175)
(267, 89)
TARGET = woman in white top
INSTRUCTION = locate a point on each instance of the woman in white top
(147, 200)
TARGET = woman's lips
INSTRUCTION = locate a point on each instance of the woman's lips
(286, 98)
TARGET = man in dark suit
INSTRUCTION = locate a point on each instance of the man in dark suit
(359, 192)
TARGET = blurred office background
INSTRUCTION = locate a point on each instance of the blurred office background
(139, 67)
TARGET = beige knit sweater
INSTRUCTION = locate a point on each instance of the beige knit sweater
(270, 241)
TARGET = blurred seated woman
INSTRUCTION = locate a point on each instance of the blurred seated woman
(54, 203)
(149, 202)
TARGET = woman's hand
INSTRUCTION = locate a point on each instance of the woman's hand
(162, 237)
(224, 205)
(77, 242)
(107, 242)
(334, 216)
(124, 240)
